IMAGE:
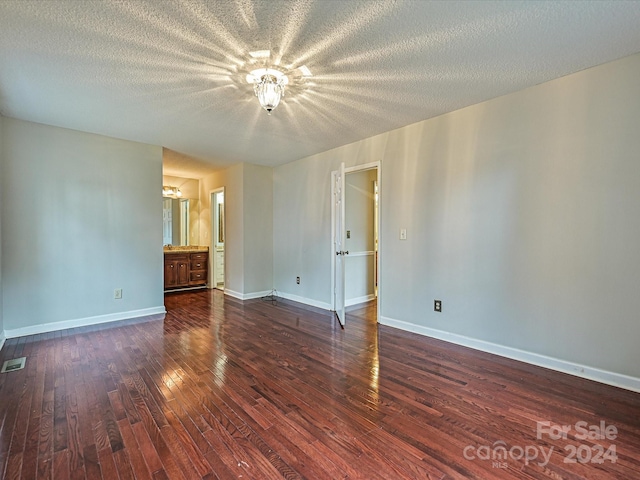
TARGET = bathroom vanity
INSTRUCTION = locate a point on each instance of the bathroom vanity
(185, 267)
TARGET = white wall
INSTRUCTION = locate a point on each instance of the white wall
(302, 230)
(2, 336)
(248, 227)
(232, 179)
(302, 241)
(359, 221)
(521, 213)
(81, 216)
(258, 230)
(248, 200)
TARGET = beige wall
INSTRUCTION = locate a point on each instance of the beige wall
(521, 214)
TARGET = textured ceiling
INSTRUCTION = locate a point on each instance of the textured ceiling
(171, 73)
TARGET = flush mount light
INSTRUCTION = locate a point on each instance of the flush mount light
(268, 85)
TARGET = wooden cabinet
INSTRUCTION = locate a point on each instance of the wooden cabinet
(185, 269)
(176, 270)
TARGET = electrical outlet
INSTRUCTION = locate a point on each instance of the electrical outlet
(298, 280)
(117, 294)
(348, 233)
(437, 305)
(403, 234)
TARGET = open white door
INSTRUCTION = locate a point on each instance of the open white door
(339, 238)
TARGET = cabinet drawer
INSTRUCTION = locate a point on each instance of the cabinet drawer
(198, 264)
(199, 276)
(176, 257)
(199, 257)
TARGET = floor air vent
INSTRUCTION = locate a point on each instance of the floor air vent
(15, 364)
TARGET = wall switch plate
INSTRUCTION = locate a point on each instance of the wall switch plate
(348, 233)
(437, 305)
(117, 294)
(298, 280)
(403, 234)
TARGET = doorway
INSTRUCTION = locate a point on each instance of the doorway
(355, 238)
(217, 238)
(360, 268)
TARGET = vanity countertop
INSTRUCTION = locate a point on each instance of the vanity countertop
(186, 249)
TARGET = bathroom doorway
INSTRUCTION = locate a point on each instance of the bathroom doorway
(217, 234)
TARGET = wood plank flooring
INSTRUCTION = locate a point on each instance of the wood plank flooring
(224, 389)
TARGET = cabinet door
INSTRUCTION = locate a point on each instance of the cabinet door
(170, 274)
(183, 273)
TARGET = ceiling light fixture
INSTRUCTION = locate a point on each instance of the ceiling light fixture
(171, 192)
(305, 71)
(268, 85)
(260, 54)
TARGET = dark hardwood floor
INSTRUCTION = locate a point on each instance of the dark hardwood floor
(226, 389)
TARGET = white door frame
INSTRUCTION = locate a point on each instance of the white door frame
(214, 237)
(339, 239)
(358, 168)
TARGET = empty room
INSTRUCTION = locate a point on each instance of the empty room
(319, 239)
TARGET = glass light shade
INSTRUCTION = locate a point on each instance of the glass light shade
(269, 91)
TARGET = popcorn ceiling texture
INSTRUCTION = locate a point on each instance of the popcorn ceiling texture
(171, 73)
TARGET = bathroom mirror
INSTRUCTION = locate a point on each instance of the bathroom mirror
(180, 221)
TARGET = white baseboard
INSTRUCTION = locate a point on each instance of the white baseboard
(2, 339)
(306, 301)
(83, 322)
(603, 376)
(358, 300)
(246, 296)
(233, 294)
